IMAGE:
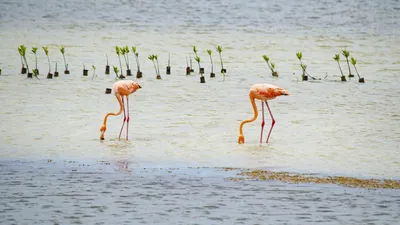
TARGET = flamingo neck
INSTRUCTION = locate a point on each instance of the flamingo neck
(121, 108)
(253, 103)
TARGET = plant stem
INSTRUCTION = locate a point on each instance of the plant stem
(220, 58)
(348, 64)
(35, 61)
(137, 62)
(340, 68)
(65, 63)
(154, 64)
(120, 64)
(26, 62)
(357, 71)
(48, 59)
(158, 66)
(212, 65)
(169, 59)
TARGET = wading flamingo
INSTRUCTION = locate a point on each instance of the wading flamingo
(121, 88)
(261, 92)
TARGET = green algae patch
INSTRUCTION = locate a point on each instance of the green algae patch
(307, 178)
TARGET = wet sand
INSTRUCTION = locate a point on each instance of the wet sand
(113, 192)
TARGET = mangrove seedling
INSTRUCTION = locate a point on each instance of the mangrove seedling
(346, 54)
(152, 58)
(125, 53)
(46, 51)
(94, 71)
(201, 70)
(107, 66)
(187, 67)
(212, 74)
(55, 71)
(35, 71)
(138, 73)
(337, 58)
(303, 75)
(118, 51)
(202, 79)
(219, 50)
(169, 64)
(62, 50)
(116, 73)
(22, 52)
(354, 62)
(270, 65)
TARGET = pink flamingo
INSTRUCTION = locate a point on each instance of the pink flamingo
(121, 88)
(262, 92)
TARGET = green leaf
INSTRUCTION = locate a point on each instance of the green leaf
(115, 70)
(219, 49)
(155, 57)
(209, 51)
(62, 50)
(266, 58)
(337, 57)
(345, 53)
(46, 50)
(353, 61)
(273, 65)
(94, 68)
(151, 57)
(194, 49)
(117, 50)
(134, 49)
(127, 49)
(299, 55)
(34, 49)
(197, 58)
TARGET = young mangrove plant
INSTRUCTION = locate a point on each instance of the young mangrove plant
(303, 75)
(346, 54)
(46, 51)
(202, 79)
(62, 50)
(125, 53)
(94, 71)
(354, 62)
(270, 65)
(107, 66)
(337, 58)
(152, 58)
(169, 64)
(22, 52)
(138, 73)
(212, 74)
(35, 71)
(219, 50)
(201, 70)
(118, 51)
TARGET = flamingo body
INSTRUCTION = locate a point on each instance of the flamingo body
(121, 88)
(263, 92)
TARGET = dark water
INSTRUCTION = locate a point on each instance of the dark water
(70, 192)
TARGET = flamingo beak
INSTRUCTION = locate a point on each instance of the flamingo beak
(139, 86)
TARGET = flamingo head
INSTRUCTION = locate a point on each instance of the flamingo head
(102, 131)
(241, 139)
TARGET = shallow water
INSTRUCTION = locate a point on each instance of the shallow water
(325, 127)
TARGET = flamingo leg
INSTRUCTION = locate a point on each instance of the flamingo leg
(127, 119)
(263, 121)
(123, 123)
(273, 121)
